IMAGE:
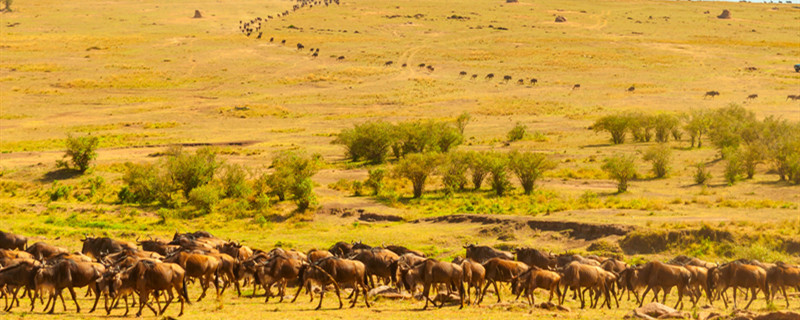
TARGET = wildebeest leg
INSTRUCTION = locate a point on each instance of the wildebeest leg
(483, 292)
(299, 288)
(426, 289)
(752, 298)
(283, 290)
(680, 299)
(783, 290)
(269, 292)
(646, 290)
(170, 296)
(355, 291)
(142, 300)
(97, 296)
(126, 306)
(321, 295)
(204, 285)
(666, 292)
(496, 291)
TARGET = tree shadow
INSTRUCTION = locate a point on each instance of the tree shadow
(596, 145)
(60, 174)
(775, 183)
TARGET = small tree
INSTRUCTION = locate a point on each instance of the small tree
(417, 167)
(498, 167)
(698, 123)
(234, 181)
(189, 171)
(145, 184)
(375, 180)
(462, 121)
(291, 170)
(701, 174)
(478, 164)
(734, 165)
(641, 126)
(665, 124)
(370, 141)
(454, 172)
(7, 4)
(304, 195)
(204, 198)
(752, 155)
(731, 126)
(621, 168)
(517, 133)
(616, 125)
(81, 151)
(659, 155)
(528, 167)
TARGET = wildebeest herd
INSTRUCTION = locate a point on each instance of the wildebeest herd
(160, 270)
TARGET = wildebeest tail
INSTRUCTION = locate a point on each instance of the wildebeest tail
(185, 293)
(393, 270)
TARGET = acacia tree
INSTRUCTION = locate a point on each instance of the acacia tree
(81, 151)
(698, 123)
(616, 125)
(528, 167)
(417, 167)
(498, 167)
(659, 155)
(462, 121)
(621, 168)
(478, 164)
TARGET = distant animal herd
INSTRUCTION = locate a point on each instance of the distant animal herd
(160, 270)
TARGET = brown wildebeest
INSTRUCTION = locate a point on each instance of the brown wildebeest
(781, 276)
(481, 254)
(249, 267)
(533, 257)
(474, 276)
(534, 81)
(534, 278)
(283, 41)
(462, 73)
(401, 250)
(792, 97)
(335, 271)
(42, 251)
(630, 281)
(613, 265)
(736, 275)
(576, 86)
(159, 246)
(474, 76)
(656, 274)
(149, 276)
(421, 65)
(236, 250)
(67, 274)
(378, 262)
(699, 282)
(341, 249)
(315, 255)
(110, 285)
(564, 259)
(631, 89)
(489, 76)
(430, 68)
(15, 254)
(577, 275)
(432, 271)
(409, 278)
(405, 65)
(199, 266)
(17, 275)
(9, 240)
(521, 81)
(300, 46)
(98, 248)
(506, 78)
(280, 269)
(388, 63)
(711, 94)
(685, 260)
(752, 96)
(500, 270)
(226, 271)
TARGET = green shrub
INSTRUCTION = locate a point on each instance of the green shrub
(356, 187)
(462, 121)
(621, 168)
(145, 184)
(734, 166)
(517, 133)
(234, 181)
(701, 174)
(94, 184)
(417, 167)
(425, 136)
(780, 141)
(664, 125)
(478, 164)
(304, 194)
(731, 126)
(292, 175)
(528, 167)
(498, 167)
(752, 155)
(375, 180)
(659, 156)
(81, 151)
(698, 123)
(58, 191)
(642, 126)
(454, 172)
(369, 141)
(204, 198)
(189, 171)
(616, 125)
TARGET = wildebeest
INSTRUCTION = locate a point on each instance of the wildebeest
(421, 65)
(314, 255)
(42, 251)
(409, 278)
(781, 276)
(300, 46)
(656, 274)
(341, 249)
(533, 257)
(401, 250)
(159, 246)
(405, 65)
(752, 96)
(500, 270)
(388, 63)
(280, 269)
(474, 76)
(521, 81)
(199, 266)
(433, 272)
(67, 274)
(462, 73)
(99, 247)
(576, 86)
(489, 76)
(12, 241)
(481, 254)
(271, 39)
(283, 41)
(378, 262)
(338, 272)
(340, 58)
(430, 68)
(534, 278)
(506, 78)
(534, 81)
(15, 276)
(474, 276)
(711, 94)
(236, 250)
(797, 67)
(792, 97)
(149, 276)
(577, 275)
(735, 274)
(564, 259)
(631, 88)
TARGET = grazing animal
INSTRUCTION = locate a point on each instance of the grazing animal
(340, 58)
(521, 81)
(148, 276)
(338, 272)
(631, 89)
(432, 272)
(12, 241)
(42, 251)
(711, 94)
(462, 73)
(99, 247)
(405, 65)
(481, 254)
(797, 67)
(735, 274)
(656, 274)
(388, 63)
(401, 250)
(475, 76)
(489, 76)
(17, 275)
(283, 41)
(506, 78)
(792, 97)
(421, 65)
(341, 249)
(280, 269)
(271, 39)
(300, 46)
(577, 275)
(200, 266)
(533, 257)
(500, 270)
(534, 81)
(781, 276)
(378, 262)
(315, 255)
(534, 278)
(576, 86)
(752, 96)
(474, 276)
(67, 274)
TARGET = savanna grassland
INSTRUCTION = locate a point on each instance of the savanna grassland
(144, 75)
